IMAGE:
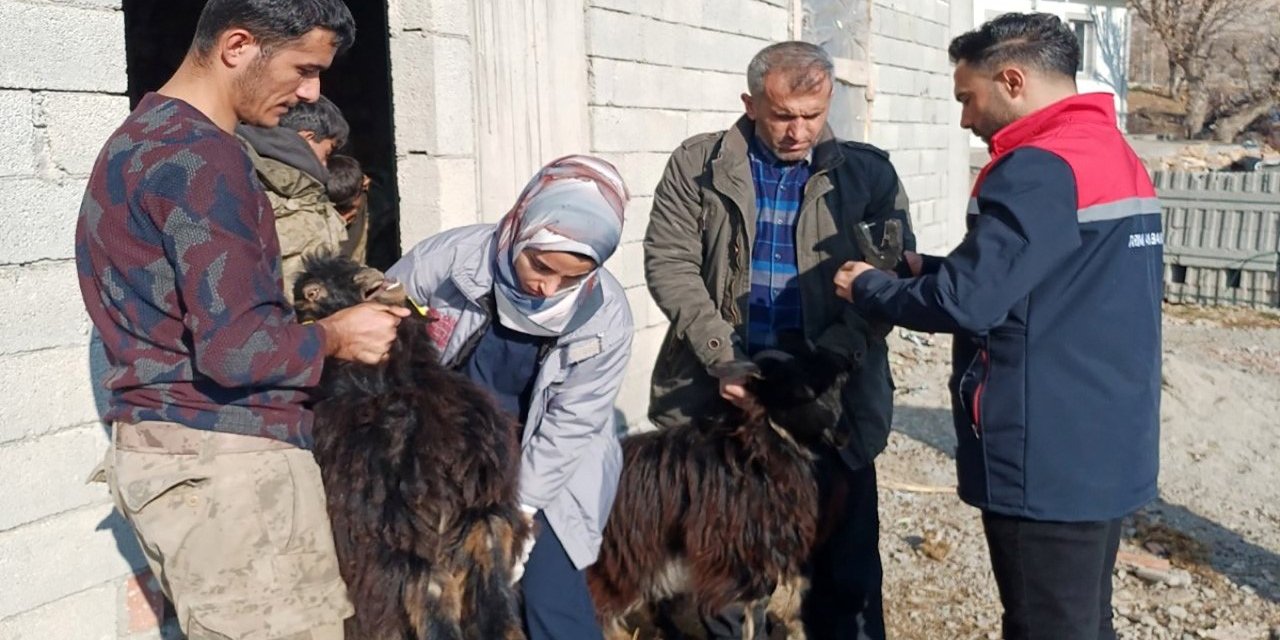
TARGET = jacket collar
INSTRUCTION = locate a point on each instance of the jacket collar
(731, 158)
(285, 145)
(1094, 108)
(474, 274)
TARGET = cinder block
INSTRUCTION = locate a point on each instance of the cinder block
(930, 238)
(411, 62)
(906, 162)
(50, 559)
(691, 47)
(764, 21)
(884, 134)
(914, 110)
(631, 84)
(47, 390)
(623, 130)
(892, 78)
(62, 460)
(18, 136)
(681, 11)
(62, 47)
(885, 107)
(637, 299)
(40, 217)
(641, 171)
(439, 194)
(433, 100)
(435, 16)
(627, 264)
(881, 51)
(637, 219)
(455, 119)
(711, 121)
(611, 34)
(43, 307)
(88, 615)
(77, 126)
(926, 187)
(941, 86)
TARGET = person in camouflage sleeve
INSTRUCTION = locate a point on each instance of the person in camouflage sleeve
(179, 267)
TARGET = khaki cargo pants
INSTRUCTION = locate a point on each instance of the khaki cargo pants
(235, 529)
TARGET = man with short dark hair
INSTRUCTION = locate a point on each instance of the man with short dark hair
(747, 230)
(292, 163)
(1054, 299)
(208, 371)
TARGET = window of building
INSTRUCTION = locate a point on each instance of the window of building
(1086, 36)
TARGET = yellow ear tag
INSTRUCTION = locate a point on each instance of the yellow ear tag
(422, 311)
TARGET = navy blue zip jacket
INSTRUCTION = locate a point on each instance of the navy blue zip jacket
(1054, 299)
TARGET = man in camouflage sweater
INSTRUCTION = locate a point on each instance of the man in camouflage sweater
(179, 267)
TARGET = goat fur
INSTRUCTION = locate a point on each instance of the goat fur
(720, 510)
(420, 472)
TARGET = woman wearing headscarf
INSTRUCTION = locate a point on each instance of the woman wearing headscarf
(526, 309)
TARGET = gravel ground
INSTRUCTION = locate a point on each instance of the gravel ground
(1201, 562)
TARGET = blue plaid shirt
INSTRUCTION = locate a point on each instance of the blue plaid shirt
(774, 302)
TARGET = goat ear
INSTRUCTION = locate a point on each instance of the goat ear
(314, 291)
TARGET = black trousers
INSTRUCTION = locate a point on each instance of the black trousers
(845, 574)
(1054, 577)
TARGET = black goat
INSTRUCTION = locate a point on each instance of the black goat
(420, 472)
(721, 511)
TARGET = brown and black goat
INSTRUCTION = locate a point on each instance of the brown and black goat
(719, 511)
(420, 472)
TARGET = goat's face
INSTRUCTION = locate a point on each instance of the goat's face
(331, 283)
(782, 388)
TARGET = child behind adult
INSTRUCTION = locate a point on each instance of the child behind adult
(348, 189)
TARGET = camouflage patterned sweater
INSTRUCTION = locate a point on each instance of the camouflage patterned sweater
(179, 267)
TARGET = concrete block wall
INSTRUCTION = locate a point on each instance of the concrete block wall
(432, 71)
(68, 559)
(661, 71)
(914, 115)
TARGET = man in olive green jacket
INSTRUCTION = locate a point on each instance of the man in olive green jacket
(701, 249)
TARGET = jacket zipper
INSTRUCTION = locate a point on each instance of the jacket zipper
(977, 392)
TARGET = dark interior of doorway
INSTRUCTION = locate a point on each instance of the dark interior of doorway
(158, 33)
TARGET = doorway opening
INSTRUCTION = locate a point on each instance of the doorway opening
(158, 33)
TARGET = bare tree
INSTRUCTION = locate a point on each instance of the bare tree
(1261, 92)
(1112, 32)
(1191, 31)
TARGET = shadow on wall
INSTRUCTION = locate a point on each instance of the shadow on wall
(126, 541)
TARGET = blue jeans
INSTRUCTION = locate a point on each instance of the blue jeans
(557, 604)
